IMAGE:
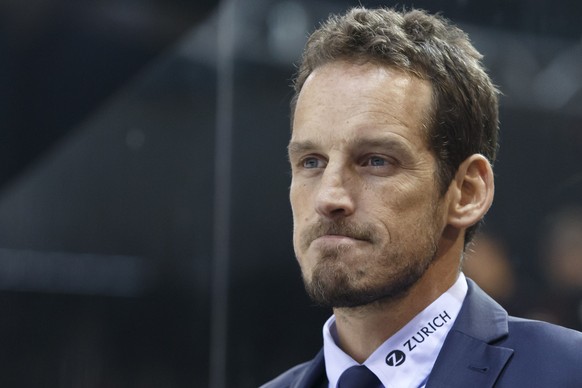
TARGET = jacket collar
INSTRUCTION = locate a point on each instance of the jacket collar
(468, 356)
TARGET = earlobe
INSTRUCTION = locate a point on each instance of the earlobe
(471, 192)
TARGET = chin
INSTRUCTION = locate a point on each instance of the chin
(333, 284)
(334, 290)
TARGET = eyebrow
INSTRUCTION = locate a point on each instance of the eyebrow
(301, 147)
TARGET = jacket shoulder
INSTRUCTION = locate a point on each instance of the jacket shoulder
(545, 337)
(544, 355)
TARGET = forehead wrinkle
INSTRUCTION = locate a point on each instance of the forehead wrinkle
(388, 119)
(380, 103)
(390, 125)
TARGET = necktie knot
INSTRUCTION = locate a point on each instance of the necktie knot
(359, 376)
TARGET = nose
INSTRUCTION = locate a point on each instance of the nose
(335, 198)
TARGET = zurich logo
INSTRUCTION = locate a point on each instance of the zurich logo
(395, 358)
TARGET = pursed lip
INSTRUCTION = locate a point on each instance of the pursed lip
(336, 239)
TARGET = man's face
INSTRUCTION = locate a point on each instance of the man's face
(367, 213)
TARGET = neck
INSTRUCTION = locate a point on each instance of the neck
(361, 330)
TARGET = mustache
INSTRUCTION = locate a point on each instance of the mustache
(358, 231)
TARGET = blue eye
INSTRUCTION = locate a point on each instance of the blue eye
(377, 161)
(311, 163)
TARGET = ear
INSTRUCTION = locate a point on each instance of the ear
(471, 192)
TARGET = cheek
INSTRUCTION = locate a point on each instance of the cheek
(412, 194)
(299, 199)
(402, 212)
(294, 200)
(392, 202)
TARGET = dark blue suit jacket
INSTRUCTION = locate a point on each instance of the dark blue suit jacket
(485, 348)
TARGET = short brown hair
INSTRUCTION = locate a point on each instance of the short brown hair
(465, 113)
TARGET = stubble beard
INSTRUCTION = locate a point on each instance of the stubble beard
(337, 288)
(399, 265)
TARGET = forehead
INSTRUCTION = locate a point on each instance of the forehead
(342, 95)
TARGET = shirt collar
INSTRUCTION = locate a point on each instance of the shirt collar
(405, 359)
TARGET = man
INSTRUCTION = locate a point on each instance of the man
(394, 130)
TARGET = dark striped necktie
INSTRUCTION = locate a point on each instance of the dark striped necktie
(359, 377)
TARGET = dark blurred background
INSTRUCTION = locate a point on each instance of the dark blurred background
(145, 231)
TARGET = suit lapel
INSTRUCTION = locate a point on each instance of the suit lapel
(468, 357)
(468, 362)
(313, 376)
